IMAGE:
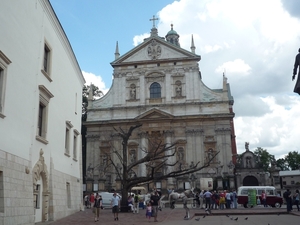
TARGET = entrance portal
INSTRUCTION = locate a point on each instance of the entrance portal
(250, 181)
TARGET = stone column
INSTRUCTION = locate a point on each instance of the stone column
(168, 138)
(144, 148)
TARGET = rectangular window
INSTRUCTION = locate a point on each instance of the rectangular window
(46, 67)
(1, 193)
(68, 194)
(42, 123)
(292, 182)
(46, 58)
(67, 140)
(67, 137)
(4, 62)
(75, 144)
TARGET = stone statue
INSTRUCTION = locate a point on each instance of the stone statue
(89, 171)
(178, 91)
(210, 155)
(132, 156)
(247, 146)
(132, 92)
(248, 162)
(296, 65)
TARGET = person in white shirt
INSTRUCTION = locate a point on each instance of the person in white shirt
(115, 204)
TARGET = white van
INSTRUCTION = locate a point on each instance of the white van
(272, 198)
(106, 199)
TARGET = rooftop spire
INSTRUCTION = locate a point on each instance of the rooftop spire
(117, 54)
(193, 45)
(154, 29)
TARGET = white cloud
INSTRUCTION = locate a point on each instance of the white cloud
(140, 38)
(236, 66)
(95, 80)
(255, 43)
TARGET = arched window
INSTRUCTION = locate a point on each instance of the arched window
(155, 90)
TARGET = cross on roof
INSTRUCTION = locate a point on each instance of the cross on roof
(153, 19)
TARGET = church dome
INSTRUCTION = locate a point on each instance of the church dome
(172, 37)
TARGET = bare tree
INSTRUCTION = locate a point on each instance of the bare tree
(155, 159)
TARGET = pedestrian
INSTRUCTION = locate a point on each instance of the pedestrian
(97, 206)
(222, 200)
(149, 211)
(201, 197)
(264, 198)
(86, 201)
(207, 196)
(234, 199)
(130, 202)
(155, 201)
(228, 200)
(115, 204)
(287, 196)
(296, 199)
(136, 203)
(92, 199)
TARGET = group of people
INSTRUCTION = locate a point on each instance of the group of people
(217, 199)
(94, 201)
(291, 199)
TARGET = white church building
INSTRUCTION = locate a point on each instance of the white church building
(40, 116)
(159, 85)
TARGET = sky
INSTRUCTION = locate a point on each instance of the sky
(254, 42)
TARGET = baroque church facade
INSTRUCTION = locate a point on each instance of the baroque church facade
(159, 85)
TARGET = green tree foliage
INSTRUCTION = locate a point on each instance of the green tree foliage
(85, 94)
(293, 160)
(282, 164)
(264, 158)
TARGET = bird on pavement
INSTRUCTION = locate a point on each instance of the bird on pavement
(236, 219)
(227, 215)
(204, 216)
(197, 219)
(246, 218)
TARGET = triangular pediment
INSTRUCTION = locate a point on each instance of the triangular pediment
(155, 114)
(154, 49)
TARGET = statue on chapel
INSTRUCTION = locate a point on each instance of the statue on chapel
(296, 65)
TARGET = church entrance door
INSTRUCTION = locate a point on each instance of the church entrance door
(250, 181)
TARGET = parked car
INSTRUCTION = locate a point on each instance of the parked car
(272, 199)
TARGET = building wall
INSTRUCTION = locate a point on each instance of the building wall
(42, 161)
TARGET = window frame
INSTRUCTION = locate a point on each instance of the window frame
(155, 90)
(75, 144)
(69, 126)
(4, 63)
(47, 61)
(44, 98)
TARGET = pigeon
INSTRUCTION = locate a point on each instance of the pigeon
(231, 218)
(278, 214)
(227, 215)
(197, 219)
(204, 216)
(236, 219)
(246, 218)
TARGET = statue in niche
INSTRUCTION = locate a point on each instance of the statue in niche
(247, 146)
(210, 155)
(104, 161)
(132, 156)
(89, 171)
(180, 155)
(192, 164)
(178, 91)
(132, 92)
(248, 162)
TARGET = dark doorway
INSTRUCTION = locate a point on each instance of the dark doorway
(250, 181)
